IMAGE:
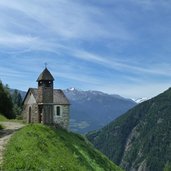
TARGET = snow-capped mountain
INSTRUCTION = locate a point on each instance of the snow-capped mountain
(92, 110)
(140, 100)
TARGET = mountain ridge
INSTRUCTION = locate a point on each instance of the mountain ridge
(91, 109)
(140, 138)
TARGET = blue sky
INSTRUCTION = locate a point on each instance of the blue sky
(115, 46)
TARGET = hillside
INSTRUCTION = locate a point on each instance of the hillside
(141, 138)
(91, 110)
(38, 147)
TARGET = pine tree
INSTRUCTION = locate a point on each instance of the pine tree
(17, 103)
(6, 105)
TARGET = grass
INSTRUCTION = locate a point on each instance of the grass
(1, 127)
(38, 147)
(2, 118)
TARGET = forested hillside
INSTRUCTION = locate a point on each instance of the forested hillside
(141, 138)
(10, 103)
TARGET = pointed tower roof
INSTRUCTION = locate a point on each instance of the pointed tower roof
(45, 76)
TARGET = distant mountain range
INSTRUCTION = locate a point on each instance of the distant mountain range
(91, 110)
(140, 139)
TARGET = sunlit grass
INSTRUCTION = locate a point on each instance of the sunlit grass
(2, 118)
(38, 147)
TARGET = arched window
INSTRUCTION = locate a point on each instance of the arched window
(29, 119)
(58, 111)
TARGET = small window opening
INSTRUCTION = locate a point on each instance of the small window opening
(40, 83)
(45, 83)
(48, 84)
(58, 111)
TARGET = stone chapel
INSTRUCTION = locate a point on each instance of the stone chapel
(45, 104)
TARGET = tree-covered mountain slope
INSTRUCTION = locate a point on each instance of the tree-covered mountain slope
(39, 147)
(141, 138)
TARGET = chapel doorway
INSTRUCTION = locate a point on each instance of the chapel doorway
(40, 114)
(29, 119)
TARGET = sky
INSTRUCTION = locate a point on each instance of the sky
(116, 46)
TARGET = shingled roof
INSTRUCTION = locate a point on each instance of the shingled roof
(58, 96)
(45, 75)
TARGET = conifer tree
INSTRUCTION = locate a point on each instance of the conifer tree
(17, 102)
(6, 105)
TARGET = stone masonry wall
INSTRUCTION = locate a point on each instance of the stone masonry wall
(47, 114)
(45, 94)
(63, 119)
(34, 113)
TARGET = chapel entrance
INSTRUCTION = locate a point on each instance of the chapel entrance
(40, 119)
(29, 117)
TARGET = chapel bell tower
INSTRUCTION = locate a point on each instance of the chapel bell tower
(45, 97)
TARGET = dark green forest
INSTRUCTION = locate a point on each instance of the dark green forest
(139, 138)
(10, 102)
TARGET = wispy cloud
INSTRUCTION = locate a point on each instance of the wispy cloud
(136, 90)
(114, 63)
(11, 40)
(64, 19)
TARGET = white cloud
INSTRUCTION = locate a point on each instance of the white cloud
(11, 40)
(68, 19)
(80, 77)
(135, 91)
(114, 63)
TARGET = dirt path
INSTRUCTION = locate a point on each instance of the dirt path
(5, 134)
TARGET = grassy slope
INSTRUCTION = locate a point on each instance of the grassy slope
(38, 147)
